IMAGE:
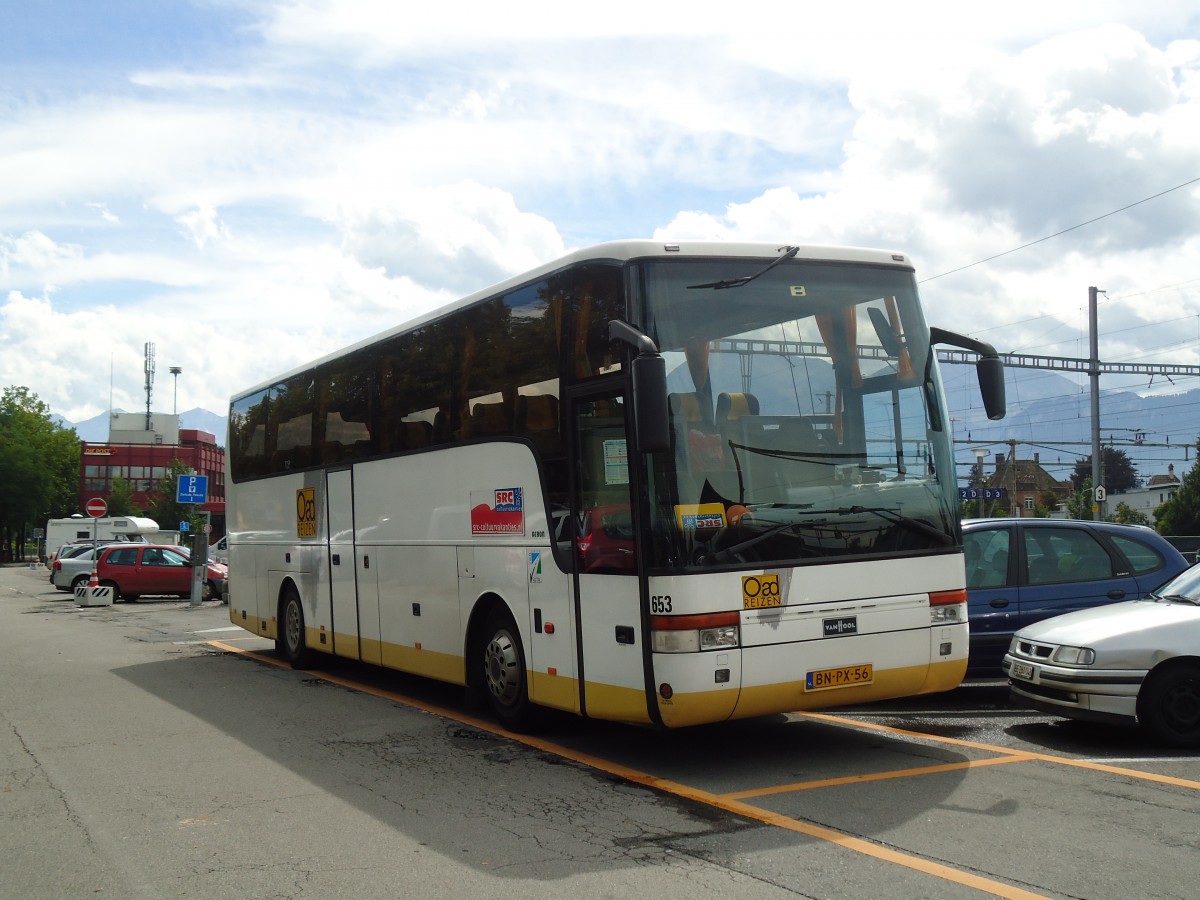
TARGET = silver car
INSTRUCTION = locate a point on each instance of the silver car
(69, 572)
(1130, 663)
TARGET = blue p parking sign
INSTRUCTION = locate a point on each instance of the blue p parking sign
(192, 489)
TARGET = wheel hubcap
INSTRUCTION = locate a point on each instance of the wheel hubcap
(502, 668)
(292, 626)
(1182, 707)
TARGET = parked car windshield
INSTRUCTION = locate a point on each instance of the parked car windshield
(1184, 588)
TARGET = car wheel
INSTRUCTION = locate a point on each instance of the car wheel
(210, 591)
(290, 642)
(117, 595)
(80, 581)
(1169, 705)
(501, 661)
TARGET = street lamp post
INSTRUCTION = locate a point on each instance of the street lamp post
(980, 453)
(175, 370)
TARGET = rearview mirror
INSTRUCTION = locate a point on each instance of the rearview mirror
(651, 425)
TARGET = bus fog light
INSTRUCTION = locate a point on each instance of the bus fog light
(944, 648)
(722, 676)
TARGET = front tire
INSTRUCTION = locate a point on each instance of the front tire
(290, 644)
(1169, 706)
(502, 673)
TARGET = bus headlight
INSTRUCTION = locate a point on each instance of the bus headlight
(946, 615)
(691, 634)
(947, 607)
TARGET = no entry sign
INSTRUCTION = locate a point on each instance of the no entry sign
(96, 507)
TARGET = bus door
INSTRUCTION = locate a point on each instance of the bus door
(608, 607)
(339, 491)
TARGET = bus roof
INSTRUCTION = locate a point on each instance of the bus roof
(621, 252)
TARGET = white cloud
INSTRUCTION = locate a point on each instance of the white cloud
(355, 164)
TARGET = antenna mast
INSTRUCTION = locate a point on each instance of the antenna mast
(149, 368)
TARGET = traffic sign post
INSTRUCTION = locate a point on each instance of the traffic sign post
(194, 489)
(95, 507)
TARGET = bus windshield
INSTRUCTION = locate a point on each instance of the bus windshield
(807, 419)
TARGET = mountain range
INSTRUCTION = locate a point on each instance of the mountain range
(95, 429)
(1048, 415)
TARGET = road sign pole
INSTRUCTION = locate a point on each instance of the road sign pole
(96, 507)
(94, 580)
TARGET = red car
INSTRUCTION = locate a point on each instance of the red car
(135, 570)
(605, 540)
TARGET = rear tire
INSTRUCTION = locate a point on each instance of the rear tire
(290, 643)
(502, 673)
(1169, 706)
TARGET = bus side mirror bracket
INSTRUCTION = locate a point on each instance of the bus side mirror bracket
(989, 369)
(649, 371)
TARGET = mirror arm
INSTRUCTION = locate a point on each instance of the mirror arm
(627, 334)
(954, 339)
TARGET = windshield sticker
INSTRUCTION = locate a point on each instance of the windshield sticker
(616, 462)
(695, 516)
(498, 512)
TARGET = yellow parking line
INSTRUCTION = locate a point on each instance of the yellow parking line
(635, 776)
(1043, 757)
(876, 776)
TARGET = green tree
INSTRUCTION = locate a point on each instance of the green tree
(1047, 503)
(1118, 472)
(39, 468)
(120, 499)
(1079, 503)
(1127, 515)
(162, 506)
(1181, 514)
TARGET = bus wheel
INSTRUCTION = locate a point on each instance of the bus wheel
(503, 663)
(290, 643)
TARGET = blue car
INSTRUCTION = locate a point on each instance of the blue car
(1020, 571)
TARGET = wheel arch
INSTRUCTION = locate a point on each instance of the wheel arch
(285, 584)
(476, 632)
(1172, 663)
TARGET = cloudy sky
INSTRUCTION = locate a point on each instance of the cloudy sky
(249, 184)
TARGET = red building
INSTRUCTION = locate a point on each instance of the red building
(143, 458)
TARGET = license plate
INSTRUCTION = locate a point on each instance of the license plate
(1023, 671)
(843, 676)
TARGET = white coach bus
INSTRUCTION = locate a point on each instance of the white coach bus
(657, 483)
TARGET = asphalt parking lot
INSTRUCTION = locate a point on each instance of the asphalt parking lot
(956, 795)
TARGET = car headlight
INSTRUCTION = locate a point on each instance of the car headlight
(1074, 656)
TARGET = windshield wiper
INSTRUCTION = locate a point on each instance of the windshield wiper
(745, 279)
(892, 516)
(1176, 598)
(726, 552)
